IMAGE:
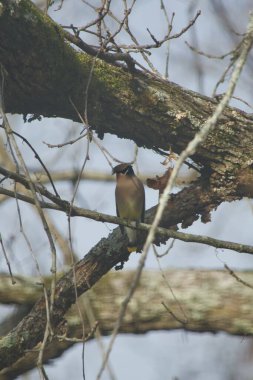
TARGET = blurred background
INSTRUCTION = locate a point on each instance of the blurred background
(156, 355)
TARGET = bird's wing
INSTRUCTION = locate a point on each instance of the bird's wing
(121, 227)
(143, 208)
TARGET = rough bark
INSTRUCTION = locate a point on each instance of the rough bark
(43, 73)
(199, 293)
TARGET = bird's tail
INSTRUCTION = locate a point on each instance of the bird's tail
(131, 249)
(132, 239)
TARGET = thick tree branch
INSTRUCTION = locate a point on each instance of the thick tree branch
(152, 112)
(201, 305)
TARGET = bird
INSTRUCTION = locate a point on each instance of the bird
(130, 200)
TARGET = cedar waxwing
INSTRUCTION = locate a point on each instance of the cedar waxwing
(130, 200)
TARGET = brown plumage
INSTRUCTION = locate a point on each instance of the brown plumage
(130, 200)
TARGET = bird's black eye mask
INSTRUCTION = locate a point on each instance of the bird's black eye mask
(126, 170)
(123, 169)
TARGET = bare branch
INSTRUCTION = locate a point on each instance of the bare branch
(159, 43)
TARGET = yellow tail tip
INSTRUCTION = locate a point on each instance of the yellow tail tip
(131, 249)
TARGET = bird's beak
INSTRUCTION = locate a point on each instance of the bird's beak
(113, 172)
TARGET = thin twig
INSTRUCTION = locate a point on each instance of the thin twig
(160, 255)
(243, 101)
(159, 43)
(181, 321)
(66, 143)
(36, 155)
(47, 332)
(233, 274)
(85, 122)
(91, 318)
(163, 232)
(210, 56)
(171, 290)
(7, 260)
(102, 12)
(77, 340)
(169, 26)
